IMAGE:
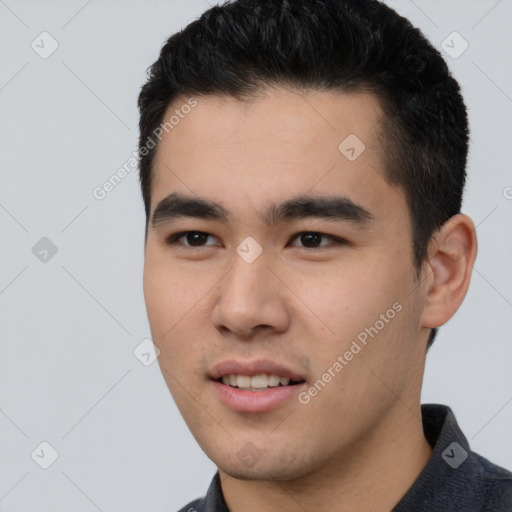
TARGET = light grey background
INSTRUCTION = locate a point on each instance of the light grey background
(69, 326)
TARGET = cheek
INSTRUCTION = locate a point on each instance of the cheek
(357, 303)
(177, 309)
(345, 299)
(169, 294)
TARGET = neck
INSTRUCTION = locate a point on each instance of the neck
(372, 475)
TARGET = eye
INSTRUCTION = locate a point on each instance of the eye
(193, 239)
(313, 240)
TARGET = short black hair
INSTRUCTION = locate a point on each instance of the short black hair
(243, 47)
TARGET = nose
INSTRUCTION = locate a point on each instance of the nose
(251, 299)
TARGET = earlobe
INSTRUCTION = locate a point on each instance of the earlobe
(452, 254)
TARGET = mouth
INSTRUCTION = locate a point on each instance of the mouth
(259, 382)
(255, 386)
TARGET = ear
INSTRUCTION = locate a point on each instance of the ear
(451, 256)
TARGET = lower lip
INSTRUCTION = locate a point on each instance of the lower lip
(255, 401)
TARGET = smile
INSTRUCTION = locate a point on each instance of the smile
(256, 382)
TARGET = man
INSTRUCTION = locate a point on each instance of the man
(302, 167)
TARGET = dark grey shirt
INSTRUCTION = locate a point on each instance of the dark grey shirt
(455, 479)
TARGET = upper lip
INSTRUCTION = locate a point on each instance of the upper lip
(251, 368)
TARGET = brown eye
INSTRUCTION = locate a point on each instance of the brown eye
(311, 239)
(193, 239)
(314, 240)
(196, 238)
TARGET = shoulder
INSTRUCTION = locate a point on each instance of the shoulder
(194, 506)
(495, 484)
(212, 502)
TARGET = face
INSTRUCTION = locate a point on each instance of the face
(279, 280)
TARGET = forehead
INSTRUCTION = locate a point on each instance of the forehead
(276, 144)
(276, 116)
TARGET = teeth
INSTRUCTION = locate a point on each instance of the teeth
(261, 381)
(273, 380)
(243, 381)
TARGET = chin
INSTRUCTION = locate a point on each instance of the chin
(275, 474)
(282, 468)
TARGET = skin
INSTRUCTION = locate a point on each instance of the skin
(358, 444)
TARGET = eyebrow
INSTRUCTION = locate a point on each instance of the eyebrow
(176, 206)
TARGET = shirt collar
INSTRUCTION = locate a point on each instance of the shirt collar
(451, 471)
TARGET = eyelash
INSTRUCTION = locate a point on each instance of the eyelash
(174, 239)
